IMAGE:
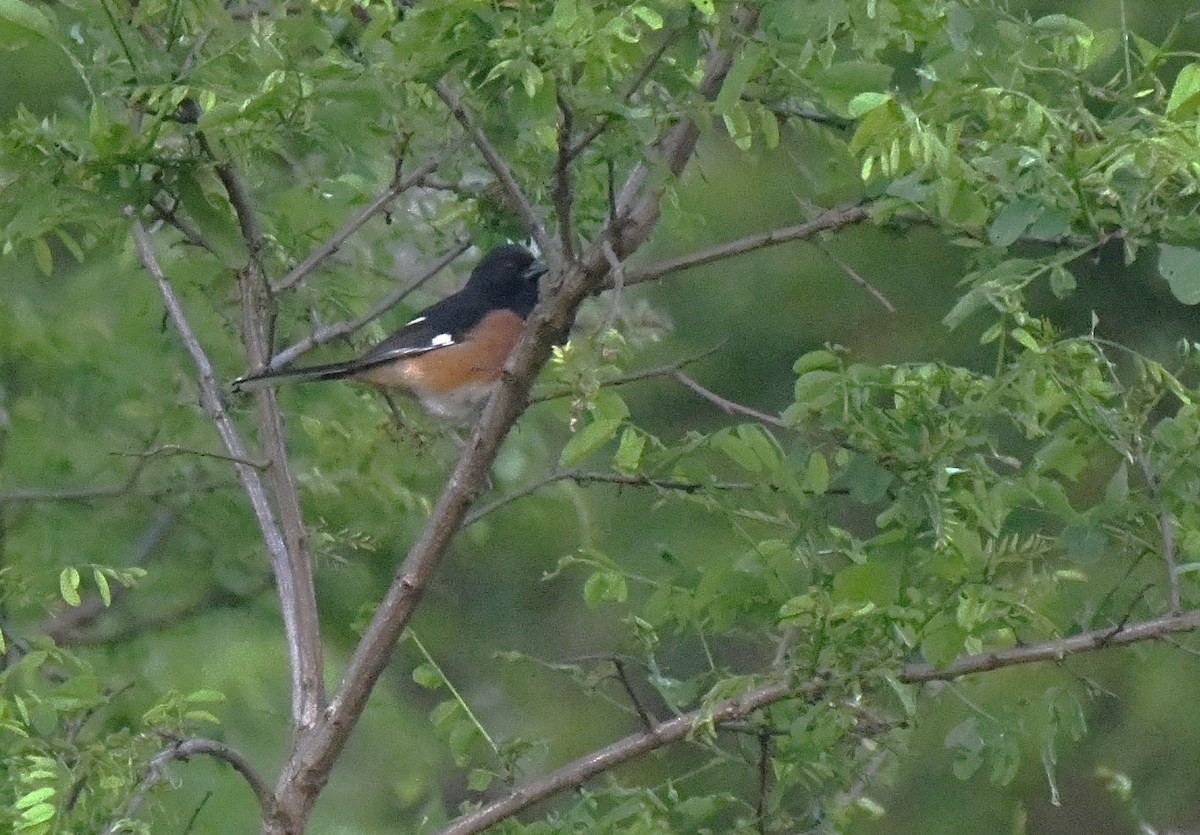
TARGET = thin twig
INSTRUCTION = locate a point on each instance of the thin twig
(1166, 524)
(584, 477)
(827, 221)
(857, 278)
(635, 745)
(398, 186)
(328, 333)
(1054, 650)
(185, 749)
(500, 168)
(729, 407)
(73, 494)
(643, 715)
(167, 212)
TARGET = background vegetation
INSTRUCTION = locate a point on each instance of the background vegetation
(883, 522)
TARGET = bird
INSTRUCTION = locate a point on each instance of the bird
(450, 355)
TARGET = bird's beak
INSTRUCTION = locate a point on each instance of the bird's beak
(535, 271)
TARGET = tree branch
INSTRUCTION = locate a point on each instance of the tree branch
(1055, 650)
(398, 186)
(298, 608)
(825, 222)
(500, 168)
(578, 772)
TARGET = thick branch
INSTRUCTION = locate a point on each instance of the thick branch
(1113, 636)
(635, 745)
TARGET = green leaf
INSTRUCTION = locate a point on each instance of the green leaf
(35, 815)
(35, 796)
(464, 736)
(605, 586)
(102, 586)
(866, 102)
(1180, 266)
(816, 478)
(24, 16)
(42, 256)
(736, 80)
(427, 676)
(1013, 221)
(206, 695)
(607, 414)
(737, 123)
(647, 16)
(565, 13)
(479, 779)
(1185, 95)
(628, 457)
(68, 585)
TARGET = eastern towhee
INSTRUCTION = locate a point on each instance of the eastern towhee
(451, 354)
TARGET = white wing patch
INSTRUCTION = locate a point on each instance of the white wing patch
(441, 340)
(414, 321)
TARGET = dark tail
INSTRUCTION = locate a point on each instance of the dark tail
(333, 371)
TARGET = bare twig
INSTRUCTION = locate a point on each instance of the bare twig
(500, 168)
(1054, 650)
(185, 749)
(728, 406)
(635, 376)
(858, 279)
(328, 333)
(635, 745)
(398, 186)
(830, 220)
(1166, 524)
